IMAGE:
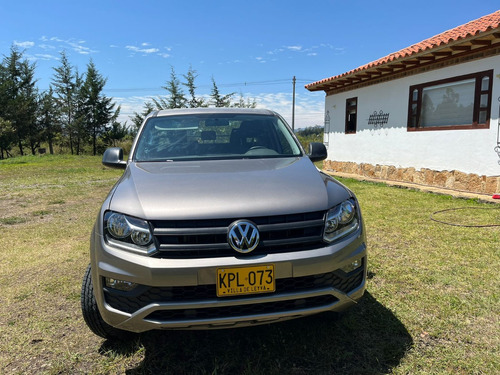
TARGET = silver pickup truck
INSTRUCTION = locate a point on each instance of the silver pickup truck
(220, 220)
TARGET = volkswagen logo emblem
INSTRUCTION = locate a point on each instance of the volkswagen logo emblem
(243, 236)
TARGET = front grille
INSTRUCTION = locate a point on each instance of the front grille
(242, 310)
(186, 239)
(142, 296)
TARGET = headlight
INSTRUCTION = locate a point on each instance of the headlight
(340, 221)
(128, 233)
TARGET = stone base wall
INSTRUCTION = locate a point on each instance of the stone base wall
(445, 179)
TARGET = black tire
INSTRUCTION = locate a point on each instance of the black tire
(91, 313)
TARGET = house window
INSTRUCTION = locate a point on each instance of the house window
(351, 110)
(457, 103)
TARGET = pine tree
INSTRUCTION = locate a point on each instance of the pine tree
(176, 98)
(66, 84)
(48, 118)
(138, 118)
(117, 131)
(79, 129)
(194, 102)
(18, 98)
(242, 103)
(7, 137)
(97, 108)
(219, 100)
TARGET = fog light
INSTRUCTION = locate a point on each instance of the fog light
(123, 285)
(353, 265)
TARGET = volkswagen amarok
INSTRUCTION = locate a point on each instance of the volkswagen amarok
(220, 220)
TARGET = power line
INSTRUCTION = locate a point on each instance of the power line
(236, 84)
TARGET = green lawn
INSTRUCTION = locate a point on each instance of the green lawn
(432, 304)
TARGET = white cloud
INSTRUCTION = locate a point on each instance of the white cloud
(276, 51)
(309, 51)
(142, 50)
(129, 105)
(45, 38)
(45, 56)
(165, 54)
(46, 47)
(309, 108)
(26, 44)
(76, 46)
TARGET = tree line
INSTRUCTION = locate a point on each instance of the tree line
(74, 114)
(310, 134)
(177, 98)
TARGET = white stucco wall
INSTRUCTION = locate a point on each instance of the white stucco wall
(469, 151)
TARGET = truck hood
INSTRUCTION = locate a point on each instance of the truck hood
(224, 189)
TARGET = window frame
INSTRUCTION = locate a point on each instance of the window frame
(349, 107)
(413, 123)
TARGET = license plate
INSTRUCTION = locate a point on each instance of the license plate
(245, 280)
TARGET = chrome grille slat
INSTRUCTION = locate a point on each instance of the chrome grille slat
(202, 247)
(189, 231)
(293, 225)
(283, 233)
(291, 241)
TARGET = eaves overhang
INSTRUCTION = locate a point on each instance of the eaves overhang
(481, 35)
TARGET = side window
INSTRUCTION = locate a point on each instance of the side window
(462, 102)
(351, 111)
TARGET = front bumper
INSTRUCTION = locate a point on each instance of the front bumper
(180, 293)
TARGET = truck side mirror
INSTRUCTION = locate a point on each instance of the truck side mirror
(113, 158)
(317, 151)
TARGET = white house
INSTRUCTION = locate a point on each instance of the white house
(426, 114)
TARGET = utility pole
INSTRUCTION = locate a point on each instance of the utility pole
(293, 106)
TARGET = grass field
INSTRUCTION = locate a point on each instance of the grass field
(432, 305)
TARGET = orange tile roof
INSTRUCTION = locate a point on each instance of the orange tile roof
(470, 29)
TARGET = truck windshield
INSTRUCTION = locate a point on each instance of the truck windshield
(215, 136)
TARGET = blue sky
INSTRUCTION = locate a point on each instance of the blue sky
(249, 47)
